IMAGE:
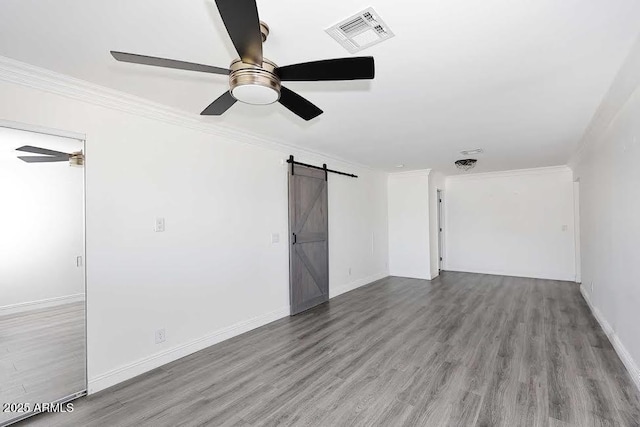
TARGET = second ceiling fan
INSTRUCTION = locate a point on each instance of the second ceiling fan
(254, 79)
(50, 156)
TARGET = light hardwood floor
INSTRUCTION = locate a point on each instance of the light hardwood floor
(464, 349)
(42, 355)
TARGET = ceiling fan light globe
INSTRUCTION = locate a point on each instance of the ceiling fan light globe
(255, 94)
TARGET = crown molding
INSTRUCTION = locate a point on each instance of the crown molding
(412, 172)
(515, 172)
(34, 77)
(623, 87)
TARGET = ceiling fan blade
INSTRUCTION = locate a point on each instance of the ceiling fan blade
(220, 105)
(243, 25)
(358, 68)
(298, 105)
(39, 150)
(43, 159)
(167, 63)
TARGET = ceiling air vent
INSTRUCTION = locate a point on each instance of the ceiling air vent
(360, 31)
(472, 152)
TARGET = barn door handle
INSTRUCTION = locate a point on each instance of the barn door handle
(295, 238)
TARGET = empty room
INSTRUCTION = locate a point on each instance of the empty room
(260, 213)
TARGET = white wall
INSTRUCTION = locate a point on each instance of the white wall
(576, 226)
(214, 272)
(409, 246)
(41, 225)
(607, 168)
(511, 223)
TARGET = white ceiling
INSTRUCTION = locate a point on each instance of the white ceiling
(520, 79)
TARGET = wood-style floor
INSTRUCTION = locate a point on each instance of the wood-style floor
(42, 355)
(464, 349)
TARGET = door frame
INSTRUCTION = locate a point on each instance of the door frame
(576, 230)
(440, 220)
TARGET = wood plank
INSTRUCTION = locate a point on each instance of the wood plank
(463, 349)
(42, 355)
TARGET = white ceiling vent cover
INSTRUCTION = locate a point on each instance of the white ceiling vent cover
(360, 31)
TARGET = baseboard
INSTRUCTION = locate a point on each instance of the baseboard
(410, 275)
(124, 373)
(529, 275)
(339, 290)
(627, 360)
(116, 376)
(43, 303)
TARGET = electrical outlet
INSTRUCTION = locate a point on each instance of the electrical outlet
(349, 271)
(160, 336)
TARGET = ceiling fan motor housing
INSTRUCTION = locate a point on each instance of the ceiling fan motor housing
(264, 30)
(253, 84)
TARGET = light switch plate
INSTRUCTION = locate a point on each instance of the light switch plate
(159, 225)
(275, 238)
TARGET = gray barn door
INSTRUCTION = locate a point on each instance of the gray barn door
(308, 233)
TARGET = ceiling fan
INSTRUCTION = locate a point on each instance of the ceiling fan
(254, 79)
(49, 156)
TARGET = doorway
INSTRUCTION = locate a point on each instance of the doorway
(576, 225)
(440, 230)
(42, 275)
(308, 234)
